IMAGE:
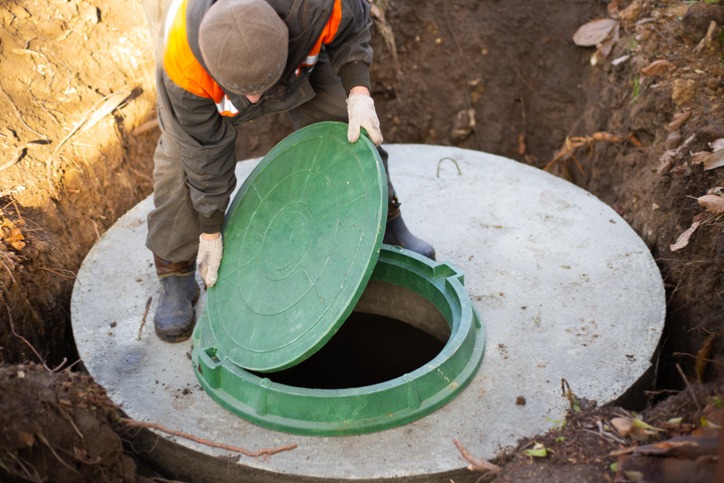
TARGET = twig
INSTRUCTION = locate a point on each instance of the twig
(57, 272)
(100, 109)
(145, 127)
(476, 464)
(17, 112)
(521, 137)
(60, 460)
(143, 320)
(140, 174)
(699, 358)
(688, 387)
(12, 330)
(607, 434)
(35, 476)
(266, 452)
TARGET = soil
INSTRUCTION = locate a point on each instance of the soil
(77, 133)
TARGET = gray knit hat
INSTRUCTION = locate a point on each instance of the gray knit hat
(244, 44)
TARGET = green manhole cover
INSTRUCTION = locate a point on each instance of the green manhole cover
(302, 237)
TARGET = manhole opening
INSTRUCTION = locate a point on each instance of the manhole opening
(392, 331)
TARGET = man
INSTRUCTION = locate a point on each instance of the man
(227, 62)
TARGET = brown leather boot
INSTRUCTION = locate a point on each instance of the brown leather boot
(397, 233)
(174, 318)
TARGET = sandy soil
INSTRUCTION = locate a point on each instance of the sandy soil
(77, 134)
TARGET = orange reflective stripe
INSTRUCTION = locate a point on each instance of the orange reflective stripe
(327, 35)
(181, 65)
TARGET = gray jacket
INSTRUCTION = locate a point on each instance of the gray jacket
(206, 139)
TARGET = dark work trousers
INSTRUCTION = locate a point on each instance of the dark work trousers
(173, 225)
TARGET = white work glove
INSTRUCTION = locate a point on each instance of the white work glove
(209, 259)
(361, 112)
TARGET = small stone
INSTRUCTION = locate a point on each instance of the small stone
(520, 401)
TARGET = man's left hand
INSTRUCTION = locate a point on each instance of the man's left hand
(362, 114)
(209, 257)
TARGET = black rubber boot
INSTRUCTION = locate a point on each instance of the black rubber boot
(174, 319)
(397, 233)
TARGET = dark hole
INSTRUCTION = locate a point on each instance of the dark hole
(367, 349)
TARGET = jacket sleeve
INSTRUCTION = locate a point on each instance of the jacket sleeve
(205, 141)
(350, 51)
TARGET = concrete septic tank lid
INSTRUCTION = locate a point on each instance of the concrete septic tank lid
(565, 287)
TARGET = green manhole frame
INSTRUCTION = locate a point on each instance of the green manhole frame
(336, 412)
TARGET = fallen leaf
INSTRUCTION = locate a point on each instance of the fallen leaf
(709, 160)
(712, 203)
(717, 145)
(703, 354)
(15, 239)
(613, 8)
(640, 429)
(594, 32)
(666, 161)
(622, 426)
(681, 446)
(26, 439)
(678, 120)
(683, 239)
(620, 60)
(657, 67)
(673, 140)
(521, 144)
(631, 13)
(705, 423)
(538, 451)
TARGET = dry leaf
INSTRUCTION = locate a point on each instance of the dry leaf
(709, 160)
(712, 203)
(620, 60)
(632, 12)
(641, 430)
(683, 239)
(538, 451)
(594, 32)
(666, 161)
(682, 446)
(521, 144)
(657, 67)
(15, 239)
(672, 140)
(604, 48)
(703, 354)
(717, 145)
(613, 8)
(679, 119)
(622, 426)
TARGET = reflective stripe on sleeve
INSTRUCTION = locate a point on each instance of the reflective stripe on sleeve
(226, 108)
